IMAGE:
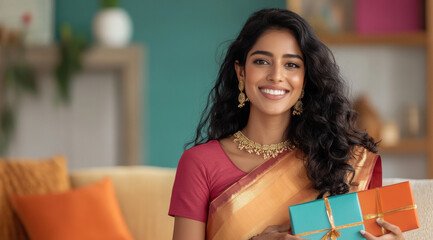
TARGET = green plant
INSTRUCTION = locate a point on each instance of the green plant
(109, 3)
(19, 78)
(7, 125)
(71, 49)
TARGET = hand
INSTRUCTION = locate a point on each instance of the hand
(395, 232)
(277, 232)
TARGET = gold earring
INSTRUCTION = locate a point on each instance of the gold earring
(242, 98)
(298, 108)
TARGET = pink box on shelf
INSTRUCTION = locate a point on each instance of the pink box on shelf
(388, 16)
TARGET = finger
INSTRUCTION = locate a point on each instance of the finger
(277, 228)
(388, 226)
(292, 237)
(367, 235)
(283, 228)
(272, 228)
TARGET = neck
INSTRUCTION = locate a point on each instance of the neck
(267, 129)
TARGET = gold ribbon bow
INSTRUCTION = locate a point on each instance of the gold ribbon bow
(381, 214)
(333, 232)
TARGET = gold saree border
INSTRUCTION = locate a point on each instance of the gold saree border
(239, 212)
(363, 163)
(245, 181)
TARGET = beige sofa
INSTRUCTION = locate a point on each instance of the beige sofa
(144, 196)
(143, 193)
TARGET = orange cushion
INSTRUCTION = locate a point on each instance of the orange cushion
(27, 176)
(87, 213)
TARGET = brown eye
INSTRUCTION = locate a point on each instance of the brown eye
(260, 62)
(292, 65)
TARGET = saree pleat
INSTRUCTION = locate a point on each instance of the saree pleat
(262, 197)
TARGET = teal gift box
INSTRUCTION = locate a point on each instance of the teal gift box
(314, 220)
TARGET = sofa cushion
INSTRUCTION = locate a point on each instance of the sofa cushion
(25, 176)
(87, 213)
(144, 197)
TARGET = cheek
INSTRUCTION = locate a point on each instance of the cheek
(253, 75)
(297, 82)
(249, 86)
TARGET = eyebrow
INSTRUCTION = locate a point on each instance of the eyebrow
(287, 55)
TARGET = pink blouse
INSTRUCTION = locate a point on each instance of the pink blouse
(204, 172)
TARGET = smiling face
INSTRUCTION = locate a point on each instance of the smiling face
(273, 73)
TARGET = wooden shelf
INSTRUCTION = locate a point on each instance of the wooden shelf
(127, 62)
(421, 38)
(405, 39)
(406, 146)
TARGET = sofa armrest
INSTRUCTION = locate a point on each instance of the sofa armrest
(143, 193)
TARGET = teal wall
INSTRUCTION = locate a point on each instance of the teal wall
(184, 41)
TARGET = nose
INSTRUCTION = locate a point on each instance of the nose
(276, 73)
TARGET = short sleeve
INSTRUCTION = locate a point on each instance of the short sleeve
(376, 176)
(191, 194)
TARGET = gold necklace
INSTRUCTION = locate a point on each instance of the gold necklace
(267, 151)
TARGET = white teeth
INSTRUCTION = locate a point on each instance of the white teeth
(273, 92)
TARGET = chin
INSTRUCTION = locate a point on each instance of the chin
(276, 112)
(271, 109)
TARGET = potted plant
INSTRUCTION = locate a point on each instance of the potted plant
(18, 79)
(71, 49)
(112, 25)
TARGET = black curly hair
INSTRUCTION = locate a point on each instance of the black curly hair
(325, 132)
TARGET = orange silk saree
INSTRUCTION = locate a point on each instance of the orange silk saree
(262, 198)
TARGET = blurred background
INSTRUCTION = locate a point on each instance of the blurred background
(124, 82)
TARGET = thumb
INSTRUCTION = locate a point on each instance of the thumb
(283, 228)
(367, 235)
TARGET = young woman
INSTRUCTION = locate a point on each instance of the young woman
(277, 131)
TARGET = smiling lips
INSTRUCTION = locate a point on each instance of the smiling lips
(274, 94)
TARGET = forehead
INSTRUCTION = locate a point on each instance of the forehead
(277, 41)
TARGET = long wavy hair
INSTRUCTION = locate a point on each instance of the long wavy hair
(325, 131)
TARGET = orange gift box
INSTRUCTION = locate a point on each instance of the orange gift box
(394, 203)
